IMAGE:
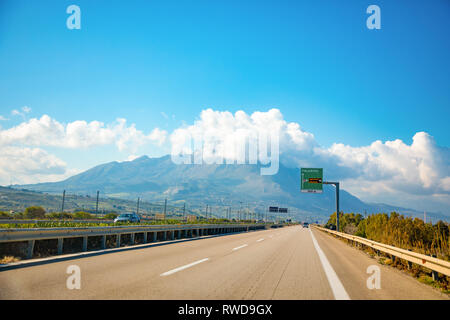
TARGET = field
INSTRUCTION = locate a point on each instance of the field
(18, 200)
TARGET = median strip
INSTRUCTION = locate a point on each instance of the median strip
(183, 267)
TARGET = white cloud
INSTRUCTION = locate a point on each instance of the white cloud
(391, 167)
(164, 115)
(25, 110)
(23, 159)
(380, 171)
(79, 134)
(29, 165)
(419, 168)
(2, 118)
(220, 130)
(131, 157)
(158, 136)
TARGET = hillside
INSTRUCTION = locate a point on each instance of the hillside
(17, 200)
(155, 179)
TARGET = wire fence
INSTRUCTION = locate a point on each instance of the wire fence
(164, 209)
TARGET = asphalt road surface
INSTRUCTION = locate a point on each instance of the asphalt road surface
(286, 263)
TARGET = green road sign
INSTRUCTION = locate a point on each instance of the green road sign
(311, 180)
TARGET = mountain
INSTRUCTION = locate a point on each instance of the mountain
(219, 186)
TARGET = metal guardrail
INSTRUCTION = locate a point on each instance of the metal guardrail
(22, 234)
(423, 260)
(183, 231)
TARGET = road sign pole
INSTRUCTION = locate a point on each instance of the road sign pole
(312, 180)
(336, 184)
(337, 207)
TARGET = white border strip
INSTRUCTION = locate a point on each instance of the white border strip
(335, 284)
(183, 267)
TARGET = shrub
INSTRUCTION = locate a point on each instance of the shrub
(398, 230)
(110, 216)
(35, 212)
(18, 215)
(4, 215)
(81, 215)
(59, 215)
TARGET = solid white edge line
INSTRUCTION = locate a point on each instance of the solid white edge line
(335, 284)
(260, 240)
(240, 247)
(183, 267)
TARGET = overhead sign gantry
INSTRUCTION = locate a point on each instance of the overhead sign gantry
(312, 182)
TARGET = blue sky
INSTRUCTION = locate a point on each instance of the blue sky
(315, 61)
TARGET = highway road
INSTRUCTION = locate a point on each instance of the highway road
(285, 263)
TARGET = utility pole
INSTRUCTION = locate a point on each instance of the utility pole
(165, 207)
(64, 197)
(240, 208)
(184, 211)
(336, 184)
(137, 210)
(96, 206)
(206, 212)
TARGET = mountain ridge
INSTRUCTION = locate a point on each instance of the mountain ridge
(156, 179)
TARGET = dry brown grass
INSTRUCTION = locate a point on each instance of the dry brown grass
(8, 259)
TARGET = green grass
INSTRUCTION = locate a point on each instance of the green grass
(429, 281)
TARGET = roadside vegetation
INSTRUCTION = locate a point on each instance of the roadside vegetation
(402, 232)
(38, 213)
(15, 251)
(63, 219)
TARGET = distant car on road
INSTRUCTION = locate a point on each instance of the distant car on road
(305, 224)
(128, 217)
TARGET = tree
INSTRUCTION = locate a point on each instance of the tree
(35, 212)
(80, 215)
(110, 216)
(4, 215)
